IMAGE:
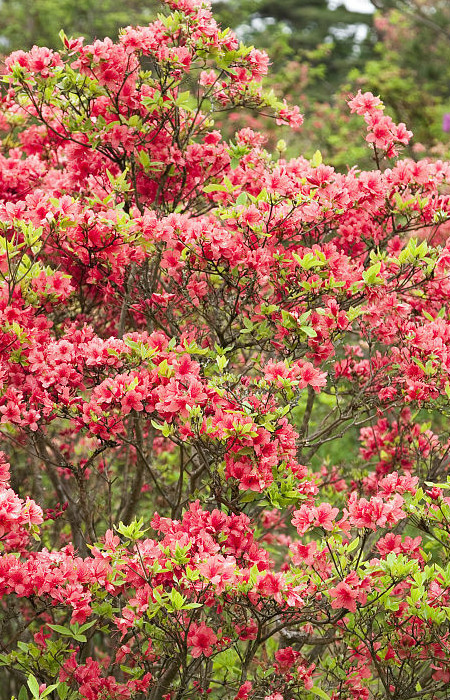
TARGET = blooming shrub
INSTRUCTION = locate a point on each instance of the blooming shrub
(187, 325)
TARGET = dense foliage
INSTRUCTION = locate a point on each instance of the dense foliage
(188, 325)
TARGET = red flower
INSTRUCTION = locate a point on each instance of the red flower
(201, 638)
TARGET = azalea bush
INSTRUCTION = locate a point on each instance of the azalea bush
(225, 387)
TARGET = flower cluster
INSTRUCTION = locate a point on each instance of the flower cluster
(382, 132)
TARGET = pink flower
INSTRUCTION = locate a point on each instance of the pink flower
(271, 585)
(201, 638)
(207, 77)
(343, 597)
(286, 658)
(364, 102)
(325, 516)
(243, 691)
(374, 513)
(311, 516)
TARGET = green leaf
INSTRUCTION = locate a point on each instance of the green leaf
(353, 545)
(133, 531)
(321, 693)
(63, 691)
(61, 630)
(176, 599)
(144, 159)
(87, 626)
(316, 160)
(215, 188)
(80, 638)
(33, 686)
(309, 331)
(249, 496)
(370, 276)
(192, 606)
